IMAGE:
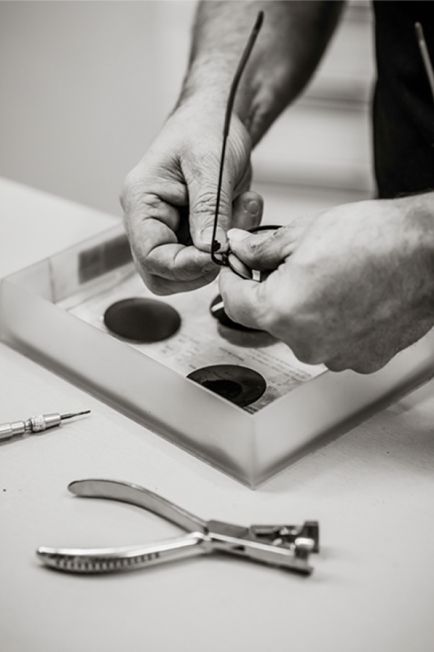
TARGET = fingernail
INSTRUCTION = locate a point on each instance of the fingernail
(220, 238)
(252, 207)
(236, 235)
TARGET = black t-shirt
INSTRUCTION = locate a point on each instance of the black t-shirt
(403, 104)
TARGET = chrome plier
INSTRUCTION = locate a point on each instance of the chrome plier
(285, 546)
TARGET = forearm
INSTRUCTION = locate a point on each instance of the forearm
(289, 47)
(418, 237)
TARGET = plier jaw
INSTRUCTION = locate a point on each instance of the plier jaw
(287, 535)
(286, 546)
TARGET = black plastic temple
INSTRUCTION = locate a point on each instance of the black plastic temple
(215, 245)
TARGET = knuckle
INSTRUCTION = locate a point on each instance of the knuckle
(147, 203)
(123, 198)
(367, 366)
(140, 263)
(232, 307)
(227, 301)
(124, 195)
(241, 316)
(204, 158)
(231, 313)
(205, 204)
(336, 366)
(315, 347)
(288, 325)
(280, 316)
(157, 285)
(146, 266)
(304, 351)
(128, 190)
(135, 197)
(260, 244)
(254, 245)
(263, 311)
(245, 180)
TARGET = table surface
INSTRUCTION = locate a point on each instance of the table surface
(372, 490)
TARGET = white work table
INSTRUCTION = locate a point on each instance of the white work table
(371, 489)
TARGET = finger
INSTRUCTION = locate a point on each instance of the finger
(336, 365)
(158, 284)
(247, 210)
(267, 250)
(344, 363)
(203, 200)
(151, 224)
(158, 253)
(368, 366)
(164, 287)
(371, 353)
(244, 301)
(364, 355)
(244, 183)
(141, 206)
(179, 263)
(201, 174)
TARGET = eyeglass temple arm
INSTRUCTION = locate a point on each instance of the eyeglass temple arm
(215, 245)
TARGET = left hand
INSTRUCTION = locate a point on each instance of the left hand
(350, 288)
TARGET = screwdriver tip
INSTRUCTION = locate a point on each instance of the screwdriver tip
(72, 415)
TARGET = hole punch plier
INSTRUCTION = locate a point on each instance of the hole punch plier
(284, 546)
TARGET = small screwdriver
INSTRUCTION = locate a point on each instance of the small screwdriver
(36, 424)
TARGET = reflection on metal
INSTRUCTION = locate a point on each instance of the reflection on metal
(284, 546)
(36, 424)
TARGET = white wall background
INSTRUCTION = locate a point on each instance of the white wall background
(84, 87)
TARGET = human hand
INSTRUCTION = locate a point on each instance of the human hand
(176, 182)
(350, 288)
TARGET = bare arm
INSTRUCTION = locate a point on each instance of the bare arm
(174, 184)
(293, 38)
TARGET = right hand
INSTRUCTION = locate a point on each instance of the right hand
(177, 180)
(348, 288)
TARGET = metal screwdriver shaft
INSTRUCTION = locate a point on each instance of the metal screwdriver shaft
(37, 423)
(72, 415)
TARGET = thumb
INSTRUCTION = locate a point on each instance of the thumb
(267, 250)
(247, 210)
(203, 200)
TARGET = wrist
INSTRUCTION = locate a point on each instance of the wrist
(208, 78)
(208, 84)
(419, 220)
(419, 217)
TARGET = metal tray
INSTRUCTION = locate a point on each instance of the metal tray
(40, 310)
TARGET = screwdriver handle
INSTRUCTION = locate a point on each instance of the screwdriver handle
(45, 421)
(34, 424)
(8, 430)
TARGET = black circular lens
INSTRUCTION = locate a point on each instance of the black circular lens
(227, 388)
(240, 385)
(142, 320)
(218, 312)
(265, 227)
